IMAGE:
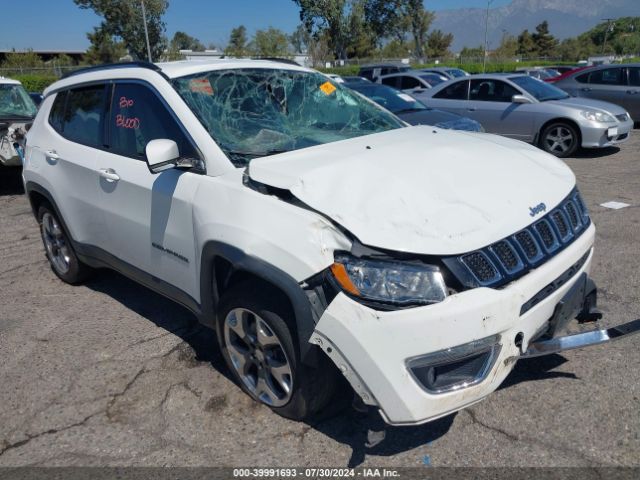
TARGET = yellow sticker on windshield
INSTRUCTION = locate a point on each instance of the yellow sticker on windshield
(327, 88)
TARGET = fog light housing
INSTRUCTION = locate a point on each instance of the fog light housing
(457, 367)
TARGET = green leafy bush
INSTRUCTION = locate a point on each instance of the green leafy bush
(35, 83)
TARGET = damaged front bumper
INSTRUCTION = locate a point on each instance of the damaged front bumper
(419, 364)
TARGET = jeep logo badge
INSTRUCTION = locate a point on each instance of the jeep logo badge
(541, 207)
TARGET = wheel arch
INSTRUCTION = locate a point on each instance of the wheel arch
(568, 120)
(223, 265)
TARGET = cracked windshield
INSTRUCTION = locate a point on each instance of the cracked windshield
(257, 112)
(14, 102)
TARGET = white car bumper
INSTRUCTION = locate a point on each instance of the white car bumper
(372, 347)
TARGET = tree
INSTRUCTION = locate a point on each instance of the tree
(526, 45)
(546, 43)
(104, 48)
(361, 41)
(270, 43)
(123, 19)
(182, 41)
(438, 43)
(17, 62)
(300, 39)
(508, 47)
(319, 51)
(387, 19)
(395, 49)
(575, 49)
(237, 46)
(330, 17)
(419, 20)
(472, 53)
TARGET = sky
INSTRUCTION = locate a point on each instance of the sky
(61, 25)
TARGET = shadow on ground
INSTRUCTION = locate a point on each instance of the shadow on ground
(11, 181)
(596, 152)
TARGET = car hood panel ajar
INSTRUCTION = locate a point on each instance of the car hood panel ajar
(420, 189)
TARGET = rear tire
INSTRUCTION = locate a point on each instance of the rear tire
(59, 249)
(560, 139)
(257, 337)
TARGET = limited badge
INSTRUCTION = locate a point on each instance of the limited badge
(327, 88)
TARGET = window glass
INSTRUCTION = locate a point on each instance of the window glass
(407, 83)
(56, 116)
(491, 91)
(455, 91)
(15, 102)
(137, 117)
(607, 76)
(634, 76)
(84, 115)
(391, 81)
(255, 112)
(584, 78)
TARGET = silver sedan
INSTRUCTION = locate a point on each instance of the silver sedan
(524, 108)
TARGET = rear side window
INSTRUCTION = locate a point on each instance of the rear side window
(409, 82)
(84, 115)
(455, 91)
(634, 76)
(139, 116)
(607, 76)
(56, 116)
(391, 81)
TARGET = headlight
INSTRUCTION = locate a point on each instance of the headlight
(389, 282)
(598, 116)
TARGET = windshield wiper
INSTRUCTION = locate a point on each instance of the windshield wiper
(407, 110)
(16, 116)
(264, 153)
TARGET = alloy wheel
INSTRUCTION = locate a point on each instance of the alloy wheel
(559, 139)
(258, 357)
(55, 244)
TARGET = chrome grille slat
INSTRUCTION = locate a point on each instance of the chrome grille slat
(509, 258)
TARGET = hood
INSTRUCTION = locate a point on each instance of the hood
(422, 189)
(582, 103)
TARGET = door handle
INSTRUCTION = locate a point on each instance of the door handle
(109, 174)
(585, 89)
(471, 109)
(52, 155)
(632, 92)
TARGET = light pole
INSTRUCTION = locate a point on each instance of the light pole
(486, 31)
(146, 30)
(606, 31)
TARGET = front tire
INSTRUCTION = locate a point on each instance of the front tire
(256, 336)
(59, 249)
(560, 139)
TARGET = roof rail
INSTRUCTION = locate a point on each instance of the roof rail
(109, 66)
(288, 61)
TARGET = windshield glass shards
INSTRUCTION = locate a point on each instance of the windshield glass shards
(254, 112)
(15, 102)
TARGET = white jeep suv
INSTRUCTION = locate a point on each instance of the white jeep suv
(316, 232)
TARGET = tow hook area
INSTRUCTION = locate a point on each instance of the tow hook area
(580, 340)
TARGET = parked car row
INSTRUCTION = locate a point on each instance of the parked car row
(594, 107)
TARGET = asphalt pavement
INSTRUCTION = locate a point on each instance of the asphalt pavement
(112, 374)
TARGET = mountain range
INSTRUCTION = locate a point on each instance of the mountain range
(567, 18)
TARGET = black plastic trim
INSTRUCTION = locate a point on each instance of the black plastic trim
(242, 262)
(112, 66)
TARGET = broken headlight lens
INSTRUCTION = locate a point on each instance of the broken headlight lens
(389, 282)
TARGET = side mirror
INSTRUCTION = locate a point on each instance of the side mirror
(520, 99)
